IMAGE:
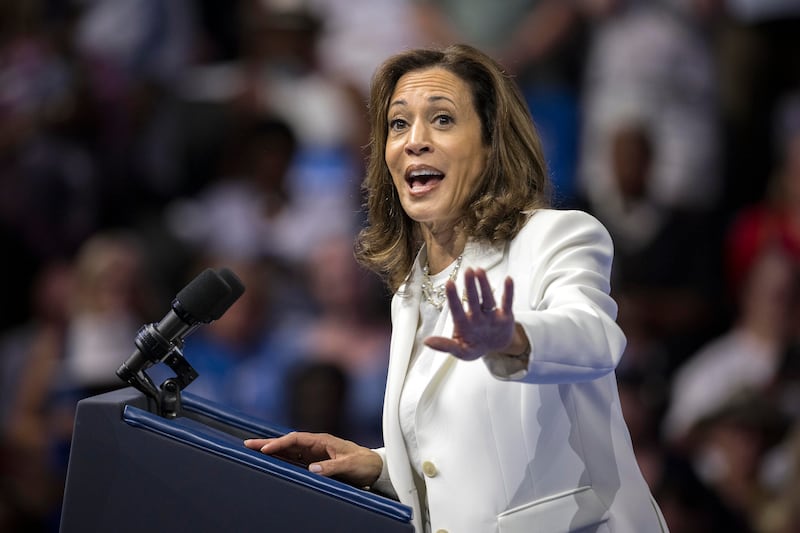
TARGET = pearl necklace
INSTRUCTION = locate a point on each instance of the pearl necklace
(436, 295)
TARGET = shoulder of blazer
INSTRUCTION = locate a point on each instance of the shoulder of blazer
(547, 224)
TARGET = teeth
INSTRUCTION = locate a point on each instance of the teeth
(424, 172)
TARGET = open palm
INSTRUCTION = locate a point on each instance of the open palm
(481, 327)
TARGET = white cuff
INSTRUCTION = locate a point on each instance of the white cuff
(383, 484)
(507, 367)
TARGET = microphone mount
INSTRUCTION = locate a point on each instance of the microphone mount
(155, 347)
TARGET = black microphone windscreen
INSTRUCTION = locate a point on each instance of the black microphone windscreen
(237, 289)
(199, 300)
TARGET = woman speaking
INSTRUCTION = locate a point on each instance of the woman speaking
(501, 410)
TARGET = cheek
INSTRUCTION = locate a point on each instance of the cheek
(397, 185)
(391, 157)
(473, 172)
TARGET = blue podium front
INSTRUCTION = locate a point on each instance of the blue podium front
(131, 470)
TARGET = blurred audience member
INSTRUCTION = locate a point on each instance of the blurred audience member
(114, 296)
(692, 506)
(74, 357)
(218, 26)
(134, 53)
(665, 272)
(48, 195)
(758, 60)
(29, 490)
(782, 513)
(775, 220)
(350, 329)
(780, 469)
(279, 74)
(249, 212)
(688, 504)
(317, 398)
(277, 94)
(745, 357)
(51, 296)
(728, 449)
(356, 36)
(138, 39)
(652, 60)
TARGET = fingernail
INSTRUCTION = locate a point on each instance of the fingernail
(315, 468)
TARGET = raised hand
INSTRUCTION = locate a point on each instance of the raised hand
(324, 454)
(481, 327)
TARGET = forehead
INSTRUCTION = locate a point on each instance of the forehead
(430, 84)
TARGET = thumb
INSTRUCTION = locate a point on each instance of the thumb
(328, 467)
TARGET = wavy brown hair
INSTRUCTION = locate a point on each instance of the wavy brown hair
(514, 182)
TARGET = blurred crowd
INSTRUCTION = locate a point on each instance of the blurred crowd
(142, 141)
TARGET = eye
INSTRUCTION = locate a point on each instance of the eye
(443, 120)
(397, 124)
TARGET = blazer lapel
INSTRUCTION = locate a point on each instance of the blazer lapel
(482, 255)
(405, 319)
(405, 316)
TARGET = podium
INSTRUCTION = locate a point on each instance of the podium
(131, 470)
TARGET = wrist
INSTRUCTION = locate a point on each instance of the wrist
(520, 346)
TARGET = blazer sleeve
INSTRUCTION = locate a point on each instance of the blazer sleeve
(562, 260)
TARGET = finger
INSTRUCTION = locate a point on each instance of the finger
(471, 290)
(285, 450)
(457, 310)
(453, 347)
(278, 444)
(256, 444)
(360, 468)
(488, 303)
(508, 296)
(324, 468)
(445, 344)
(292, 443)
(334, 466)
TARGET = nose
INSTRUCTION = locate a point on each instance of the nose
(418, 141)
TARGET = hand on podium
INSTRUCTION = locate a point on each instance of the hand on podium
(324, 454)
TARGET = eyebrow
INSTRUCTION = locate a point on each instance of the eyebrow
(431, 99)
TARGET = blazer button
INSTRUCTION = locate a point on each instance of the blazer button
(429, 469)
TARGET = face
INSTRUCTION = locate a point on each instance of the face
(631, 161)
(434, 149)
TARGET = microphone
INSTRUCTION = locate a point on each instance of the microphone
(202, 300)
(237, 289)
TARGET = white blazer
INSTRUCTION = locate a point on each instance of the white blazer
(542, 450)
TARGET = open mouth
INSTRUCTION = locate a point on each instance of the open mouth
(423, 178)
